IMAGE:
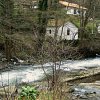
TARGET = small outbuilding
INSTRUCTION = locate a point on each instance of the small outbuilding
(68, 31)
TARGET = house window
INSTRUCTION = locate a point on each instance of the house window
(49, 31)
(68, 31)
(75, 12)
(78, 11)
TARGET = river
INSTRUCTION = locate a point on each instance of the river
(31, 73)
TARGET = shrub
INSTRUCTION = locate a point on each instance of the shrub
(28, 93)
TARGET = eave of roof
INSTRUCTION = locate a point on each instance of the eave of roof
(73, 5)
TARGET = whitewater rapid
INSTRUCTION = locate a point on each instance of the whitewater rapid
(30, 73)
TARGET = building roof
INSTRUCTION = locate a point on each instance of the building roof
(71, 25)
(68, 23)
(73, 5)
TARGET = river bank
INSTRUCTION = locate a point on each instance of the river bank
(25, 73)
(71, 50)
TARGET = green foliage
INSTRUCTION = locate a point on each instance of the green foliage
(28, 93)
(43, 5)
(6, 7)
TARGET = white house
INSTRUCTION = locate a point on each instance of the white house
(72, 8)
(68, 31)
(98, 28)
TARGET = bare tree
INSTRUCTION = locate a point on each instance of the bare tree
(85, 16)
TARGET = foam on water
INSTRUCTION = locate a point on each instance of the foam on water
(34, 73)
(82, 64)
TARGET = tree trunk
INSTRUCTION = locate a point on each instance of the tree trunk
(8, 49)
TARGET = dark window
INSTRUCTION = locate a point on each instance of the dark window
(78, 11)
(50, 31)
(75, 12)
(68, 31)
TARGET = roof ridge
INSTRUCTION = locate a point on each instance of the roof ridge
(74, 5)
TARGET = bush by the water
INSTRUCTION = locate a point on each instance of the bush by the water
(28, 93)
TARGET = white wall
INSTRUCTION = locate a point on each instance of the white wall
(62, 32)
(71, 11)
(52, 31)
(73, 32)
(98, 29)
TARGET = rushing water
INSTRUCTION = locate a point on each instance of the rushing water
(30, 73)
(87, 91)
